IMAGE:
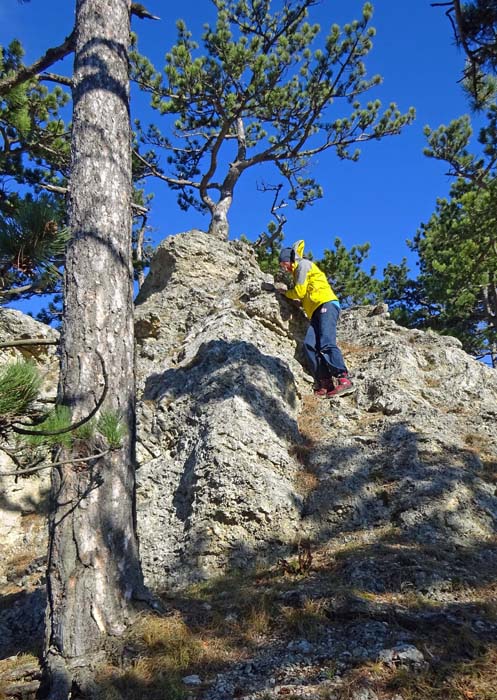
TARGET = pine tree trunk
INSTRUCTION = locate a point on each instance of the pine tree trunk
(94, 569)
(219, 226)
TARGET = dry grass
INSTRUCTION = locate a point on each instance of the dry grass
(313, 421)
(306, 482)
(219, 623)
(168, 637)
(447, 680)
(161, 651)
(200, 640)
(352, 349)
(17, 565)
(432, 382)
(306, 622)
(444, 680)
(474, 440)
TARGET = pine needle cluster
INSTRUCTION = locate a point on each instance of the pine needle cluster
(109, 425)
(19, 386)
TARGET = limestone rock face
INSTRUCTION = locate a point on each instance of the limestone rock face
(415, 448)
(219, 398)
(237, 459)
(24, 496)
(24, 501)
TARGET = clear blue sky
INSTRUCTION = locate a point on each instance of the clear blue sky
(382, 198)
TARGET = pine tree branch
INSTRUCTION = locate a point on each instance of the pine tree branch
(48, 59)
(65, 190)
(17, 290)
(28, 341)
(73, 426)
(140, 11)
(141, 211)
(55, 78)
(170, 180)
(32, 470)
(53, 188)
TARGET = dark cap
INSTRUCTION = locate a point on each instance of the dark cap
(286, 255)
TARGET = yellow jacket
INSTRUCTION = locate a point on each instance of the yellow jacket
(310, 283)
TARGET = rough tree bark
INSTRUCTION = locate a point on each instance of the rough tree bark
(94, 569)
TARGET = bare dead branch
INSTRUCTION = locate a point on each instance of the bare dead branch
(264, 238)
(141, 211)
(32, 470)
(28, 341)
(65, 190)
(140, 11)
(17, 290)
(53, 188)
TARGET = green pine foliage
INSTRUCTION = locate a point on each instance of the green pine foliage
(34, 155)
(34, 140)
(457, 247)
(19, 386)
(32, 247)
(86, 431)
(109, 425)
(265, 88)
(458, 266)
(475, 27)
(34, 150)
(350, 282)
(112, 428)
(267, 249)
(56, 420)
(404, 296)
(455, 292)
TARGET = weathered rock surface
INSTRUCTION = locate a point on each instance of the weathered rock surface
(395, 486)
(23, 501)
(23, 496)
(220, 396)
(227, 449)
(415, 447)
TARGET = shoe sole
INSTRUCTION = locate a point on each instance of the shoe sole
(345, 392)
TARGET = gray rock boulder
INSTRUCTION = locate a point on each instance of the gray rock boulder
(19, 496)
(23, 506)
(238, 461)
(220, 395)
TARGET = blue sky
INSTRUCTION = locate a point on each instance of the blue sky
(383, 197)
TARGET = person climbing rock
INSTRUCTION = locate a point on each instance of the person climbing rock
(322, 308)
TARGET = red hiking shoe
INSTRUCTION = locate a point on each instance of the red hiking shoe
(323, 387)
(344, 386)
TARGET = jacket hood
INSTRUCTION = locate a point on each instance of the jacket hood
(298, 247)
(293, 254)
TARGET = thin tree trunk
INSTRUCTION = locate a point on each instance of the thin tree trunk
(219, 226)
(94, 569)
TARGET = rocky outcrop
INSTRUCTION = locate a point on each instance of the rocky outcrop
(238, 460)
(21, 497)
(415, 448)
(24, 499)
(220, 396)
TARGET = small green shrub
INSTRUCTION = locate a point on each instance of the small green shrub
(19, 386)
(58, 419)
(86, 431)
(112, 428)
